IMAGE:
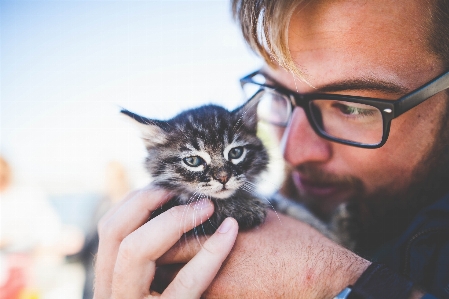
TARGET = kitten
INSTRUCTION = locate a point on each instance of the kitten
(208, 152)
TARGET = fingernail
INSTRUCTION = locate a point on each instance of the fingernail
(202, 204)
(225, 226)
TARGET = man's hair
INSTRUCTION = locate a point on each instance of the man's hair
(264, 24)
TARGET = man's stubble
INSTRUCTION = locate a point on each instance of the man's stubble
(384, 214)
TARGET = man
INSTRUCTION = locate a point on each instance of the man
(339, 149)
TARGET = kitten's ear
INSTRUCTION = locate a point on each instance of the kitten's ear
(152, 131)
(246, 115)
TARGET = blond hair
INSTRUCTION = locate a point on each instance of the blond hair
(264, 25)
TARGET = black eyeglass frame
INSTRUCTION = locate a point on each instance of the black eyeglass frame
(389, 109)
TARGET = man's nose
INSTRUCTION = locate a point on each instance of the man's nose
(300, 144)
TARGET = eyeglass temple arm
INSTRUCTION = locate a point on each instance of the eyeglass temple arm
(423, 93)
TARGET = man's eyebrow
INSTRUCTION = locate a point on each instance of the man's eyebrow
(360, 84)
(367, 84)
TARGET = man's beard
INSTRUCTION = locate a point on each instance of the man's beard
(382, 216)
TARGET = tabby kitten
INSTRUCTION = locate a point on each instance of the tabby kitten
(208, 152)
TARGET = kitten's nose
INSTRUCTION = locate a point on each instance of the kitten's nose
(222, 176)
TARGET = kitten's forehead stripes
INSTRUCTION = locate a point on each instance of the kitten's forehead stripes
(200, 143)
(192, 148)
(194, 143)
(184, 148)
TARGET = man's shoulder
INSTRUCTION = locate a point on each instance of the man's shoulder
(432, 220)
(422, 252)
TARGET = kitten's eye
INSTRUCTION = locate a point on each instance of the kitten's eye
(193, 161)
(235, 152)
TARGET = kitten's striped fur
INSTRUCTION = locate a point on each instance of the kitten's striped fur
(208, 152)
(211, 134)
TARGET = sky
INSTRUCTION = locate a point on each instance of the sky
(66, 68)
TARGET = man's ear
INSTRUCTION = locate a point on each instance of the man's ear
(151, 130)
(246, 115)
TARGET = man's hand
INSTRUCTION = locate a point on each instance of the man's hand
(129, 247)
(283, 258)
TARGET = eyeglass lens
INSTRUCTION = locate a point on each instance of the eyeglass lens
(348, 121)
(342, 120)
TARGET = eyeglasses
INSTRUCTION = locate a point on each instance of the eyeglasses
(351, 120)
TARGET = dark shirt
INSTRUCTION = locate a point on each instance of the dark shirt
(422, 252)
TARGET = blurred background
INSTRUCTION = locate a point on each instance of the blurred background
(66, 68)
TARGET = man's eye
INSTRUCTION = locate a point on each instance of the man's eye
(235, 152)
(193, 161)
(353, 110)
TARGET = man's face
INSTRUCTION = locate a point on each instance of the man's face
(381, 44)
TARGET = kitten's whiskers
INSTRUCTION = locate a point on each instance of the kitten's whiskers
(184, 212)
(194, 198)
(203, 197)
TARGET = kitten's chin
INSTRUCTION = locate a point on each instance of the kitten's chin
(222, 194)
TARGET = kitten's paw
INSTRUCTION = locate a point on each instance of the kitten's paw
(253, 215)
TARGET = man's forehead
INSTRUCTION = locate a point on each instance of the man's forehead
(384, 10)
(385, 25)
(377, 45)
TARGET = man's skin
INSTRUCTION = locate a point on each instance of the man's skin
(348, 42)
(380, 43)
(333, 42)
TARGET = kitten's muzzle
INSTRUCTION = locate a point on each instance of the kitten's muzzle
(222, 176)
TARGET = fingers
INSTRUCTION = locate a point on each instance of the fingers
(130, 245)
(195, 277)
(123, 219)
(135, 263)
(183, 251)
(144, 200)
